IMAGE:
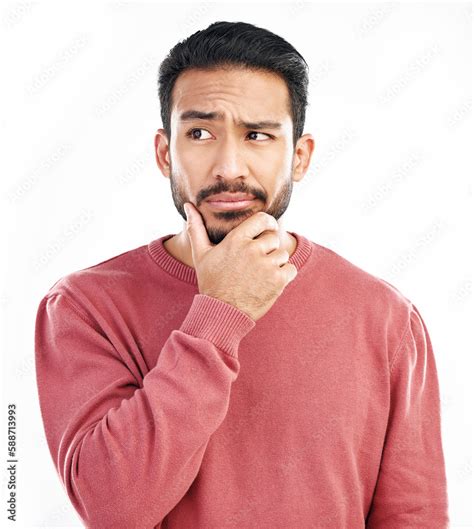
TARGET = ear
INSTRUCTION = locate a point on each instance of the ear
(302, 156)
(162, 152)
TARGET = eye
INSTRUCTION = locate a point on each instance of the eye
(190, 134)
(264, 133)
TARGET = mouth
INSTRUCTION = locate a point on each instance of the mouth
(230, 204)
(226, 202)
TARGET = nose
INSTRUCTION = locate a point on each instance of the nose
(229, 162)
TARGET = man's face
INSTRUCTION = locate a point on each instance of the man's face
(245, 147)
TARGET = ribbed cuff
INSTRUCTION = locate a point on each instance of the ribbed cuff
(217, 321)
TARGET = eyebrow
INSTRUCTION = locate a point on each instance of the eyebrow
(190, 115)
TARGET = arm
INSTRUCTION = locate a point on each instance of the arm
(127, 450)
(411, 488)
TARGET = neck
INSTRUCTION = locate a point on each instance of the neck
(179, 245)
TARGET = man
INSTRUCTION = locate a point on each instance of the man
(236, 374)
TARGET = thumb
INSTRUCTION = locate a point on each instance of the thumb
(196, 230)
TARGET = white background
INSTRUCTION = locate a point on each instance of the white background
(388, 188)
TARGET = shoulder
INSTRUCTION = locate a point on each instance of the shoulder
(366, 299)
(352, 279)
(100, 282)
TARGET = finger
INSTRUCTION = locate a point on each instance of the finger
(256, 224)
(290, 271)
(268, 241)
(196, 231)
(279, 257)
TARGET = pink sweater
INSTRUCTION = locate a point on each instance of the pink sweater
(166, 408)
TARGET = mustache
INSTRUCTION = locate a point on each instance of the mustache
(224, 188)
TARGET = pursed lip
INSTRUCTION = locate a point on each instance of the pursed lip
(230, 197)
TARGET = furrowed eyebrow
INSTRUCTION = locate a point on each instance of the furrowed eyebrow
(191, 115)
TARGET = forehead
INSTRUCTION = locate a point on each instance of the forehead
(253, 94)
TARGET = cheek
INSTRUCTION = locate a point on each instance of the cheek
(272, 170)
(269, 167)
(183, 159)
(191, 158)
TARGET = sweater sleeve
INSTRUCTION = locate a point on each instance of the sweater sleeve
(411, 489)
(126, 452)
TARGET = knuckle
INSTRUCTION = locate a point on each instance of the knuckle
(292, 271)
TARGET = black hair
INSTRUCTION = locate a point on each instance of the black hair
(237, 44)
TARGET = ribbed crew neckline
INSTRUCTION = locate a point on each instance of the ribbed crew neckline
(186, 273)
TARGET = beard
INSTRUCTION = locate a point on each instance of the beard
(223, 222)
